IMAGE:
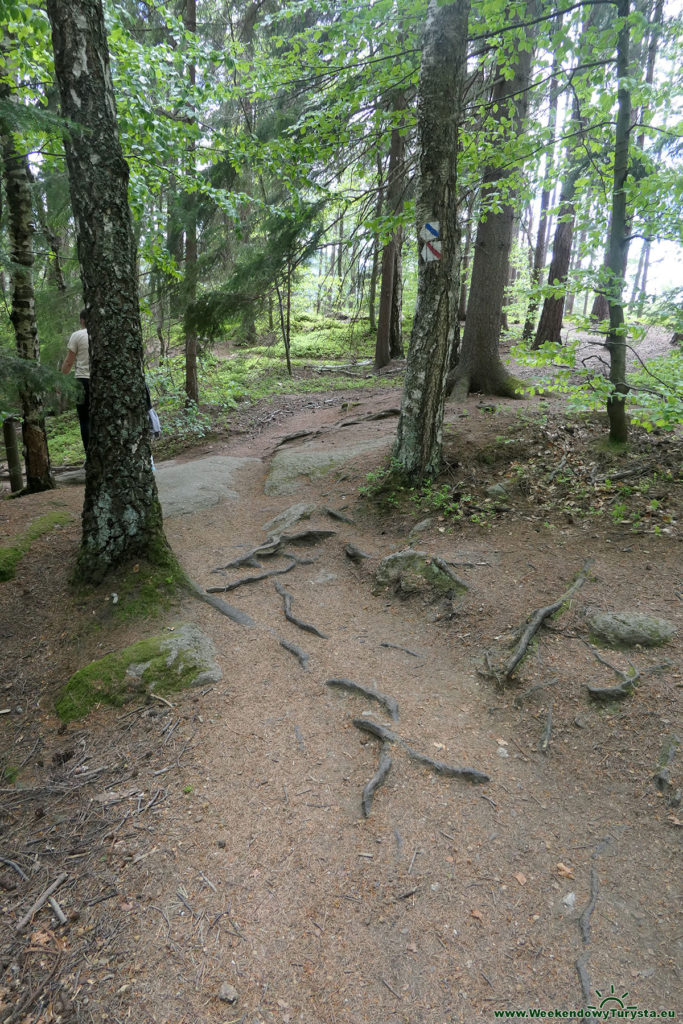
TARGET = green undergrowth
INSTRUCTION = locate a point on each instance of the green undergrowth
(12, 555)
(239, 376)
(140, 591)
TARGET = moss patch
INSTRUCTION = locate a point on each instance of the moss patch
(160, 664)
(11, 556)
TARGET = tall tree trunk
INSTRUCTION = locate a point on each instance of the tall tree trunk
(540, 249)
(191, 384)
(17, 177)
(550, 323)
(396, 326)
(121, 514)
(439, 110)
(480, 367)
(617, 243)
(390, 255)
(374, 272)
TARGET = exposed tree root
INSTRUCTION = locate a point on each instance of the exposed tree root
(623, 689)
(397, 647)
(221, 606)
(619, 692)
(544, 742)
(254, 579)
(297, 652)
(383, 769)
(306, 626)
(334, 514)
(585, 919)
(381, 415)
(390, 704)
(274, 546)
(504, 674)
(447, 770)
(296, 436)
(375, 729)
(354, 553)
(584, 979)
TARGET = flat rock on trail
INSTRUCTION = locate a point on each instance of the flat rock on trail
(234, 877)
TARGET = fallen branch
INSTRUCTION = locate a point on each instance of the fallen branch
(383, 769)
(390, 704)
(448, 770)
(41, 901)
(536, 621)
(297, 652)
(306, 626)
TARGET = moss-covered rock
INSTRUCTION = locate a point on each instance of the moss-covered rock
(417, 572)
(626, 629)
(160, 664)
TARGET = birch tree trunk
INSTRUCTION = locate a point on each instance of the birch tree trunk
(121, 514)
(439, 106)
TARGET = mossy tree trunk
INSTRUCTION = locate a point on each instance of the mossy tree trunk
(389, 344)
(121, 514)
(17, 177)
(439, 109)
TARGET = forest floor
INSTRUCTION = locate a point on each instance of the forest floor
(214, 861)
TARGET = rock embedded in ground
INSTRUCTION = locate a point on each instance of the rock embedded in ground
(228, 993)
(159, 665)
(417, 572)
(288, 518)
(312, 462)
(626, 629)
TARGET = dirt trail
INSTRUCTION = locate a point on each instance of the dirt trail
(232, 859)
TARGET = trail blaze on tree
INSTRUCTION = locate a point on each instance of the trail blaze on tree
(444, 59)
(121, 514)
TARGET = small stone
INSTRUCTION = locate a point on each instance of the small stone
(228, 993)
(221, 844)
(496, 491)
(626, 629)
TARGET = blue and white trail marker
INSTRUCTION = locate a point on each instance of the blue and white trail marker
(431, 250)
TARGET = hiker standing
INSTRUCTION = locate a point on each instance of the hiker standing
(78, 355)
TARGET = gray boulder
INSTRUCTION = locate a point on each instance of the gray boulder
(410, 572)
(626, 629)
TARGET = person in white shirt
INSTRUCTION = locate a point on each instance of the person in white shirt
(78, 356)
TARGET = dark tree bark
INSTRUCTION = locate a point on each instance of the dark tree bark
(439, 109)
(389, 343)
(541, 247)
(121, 514)
(618, 240)
(17, 178)
(191, 383)
(550, 323)
(480, 367)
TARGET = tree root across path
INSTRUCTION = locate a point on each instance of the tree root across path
(390, 704)
(383, 769)
(274, 546)
(306, 626)
(388, 736)
(504, 672)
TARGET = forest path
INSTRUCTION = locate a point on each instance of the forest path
(233, 860)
